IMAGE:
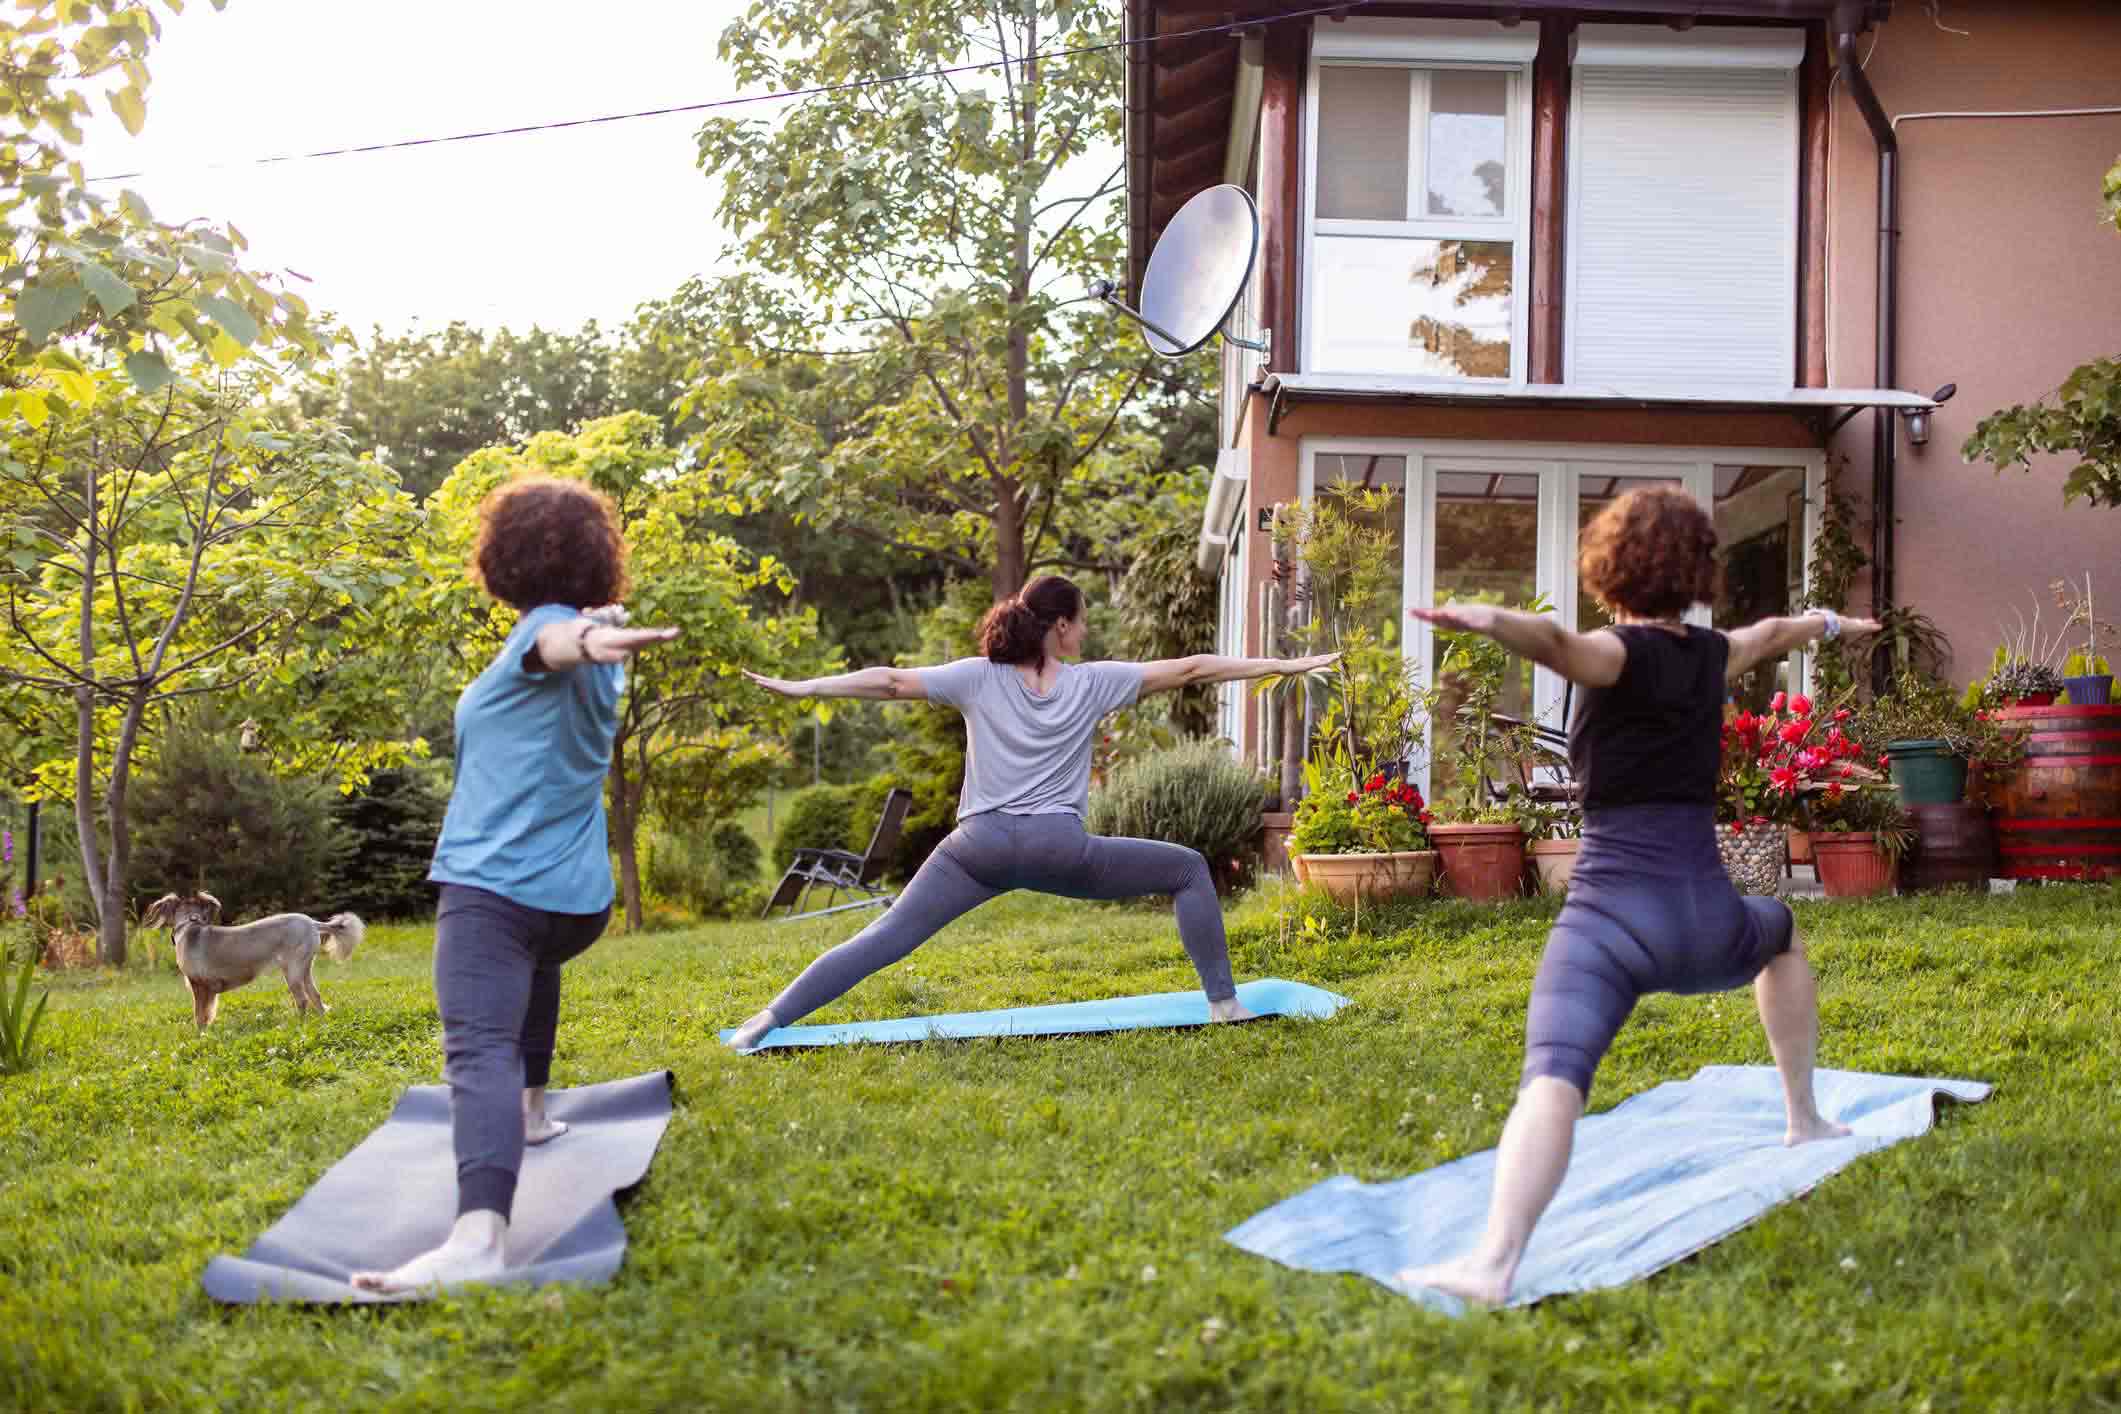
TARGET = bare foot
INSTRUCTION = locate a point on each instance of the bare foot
(1817, 1127)
(1230, 1009)
(537, 1128)
(476, 1251)
(1466, 1278)
(747, 1037)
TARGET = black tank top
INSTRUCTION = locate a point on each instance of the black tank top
(1655, 737)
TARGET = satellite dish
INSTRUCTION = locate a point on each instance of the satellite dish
(1196, 274)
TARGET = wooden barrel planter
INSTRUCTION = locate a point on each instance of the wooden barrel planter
(1955, 847)
(2058, 814)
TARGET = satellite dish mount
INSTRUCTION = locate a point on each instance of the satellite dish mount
(1196, 275)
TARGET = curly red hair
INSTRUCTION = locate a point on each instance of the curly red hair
(545, 540)
(1650, 554)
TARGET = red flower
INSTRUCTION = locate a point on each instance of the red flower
(1351, 797)
(1426, 817)
(1376, 782)
(1783, 779)
(1841, 714)
(1793, 732)
(1884, 761)
(1801, 705)
(1833, 791)
(1776, 703)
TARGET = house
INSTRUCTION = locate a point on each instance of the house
(1516, 259)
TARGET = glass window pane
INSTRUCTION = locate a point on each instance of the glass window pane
(1438, 309)
(1468, 143)
(1363, 117)
(1487, 548)
(1595, 490)
(1760, 533)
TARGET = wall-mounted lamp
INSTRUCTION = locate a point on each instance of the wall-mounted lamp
(1918, 419)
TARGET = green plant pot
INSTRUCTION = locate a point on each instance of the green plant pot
(1927, 772)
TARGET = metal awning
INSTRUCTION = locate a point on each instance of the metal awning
(1281, 389)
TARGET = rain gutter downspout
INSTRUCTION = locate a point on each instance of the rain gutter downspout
(1848, 20)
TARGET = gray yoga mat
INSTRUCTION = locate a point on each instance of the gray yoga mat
(1653, 1180)
(395, 1196)
(1272, 996)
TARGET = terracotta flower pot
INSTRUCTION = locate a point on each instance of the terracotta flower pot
(1371, 878)
(1553, 861)
(1296, 863)
(1800, 846)
(1752, 856)
(1480, 862)
(1853, 866)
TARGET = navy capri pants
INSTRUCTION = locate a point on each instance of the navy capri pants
(1649, 909)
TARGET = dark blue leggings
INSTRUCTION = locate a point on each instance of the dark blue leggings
(990, 854)
(1649, 910)
(497, 981)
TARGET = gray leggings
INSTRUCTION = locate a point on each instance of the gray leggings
(497, 979)
(990, 854)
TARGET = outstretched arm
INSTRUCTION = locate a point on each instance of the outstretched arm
(566, 645)
(885, 684)
(1169, 674)
(1588, 659)
(1776, 638)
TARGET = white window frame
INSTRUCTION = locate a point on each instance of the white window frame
(1412, 54)
(1231, 627)
(1560, 468)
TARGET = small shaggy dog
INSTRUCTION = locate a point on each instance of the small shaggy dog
(216, 960)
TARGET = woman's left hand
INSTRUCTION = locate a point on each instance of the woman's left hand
(779, 685)
(1458, 618)
(615, 645)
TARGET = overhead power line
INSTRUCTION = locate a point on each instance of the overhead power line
(787, 95)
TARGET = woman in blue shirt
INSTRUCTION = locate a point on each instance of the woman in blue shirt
(523, 859)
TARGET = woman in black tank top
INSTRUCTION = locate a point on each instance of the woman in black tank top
(1649, 907)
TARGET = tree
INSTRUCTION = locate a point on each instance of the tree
(688, 717)
(905, 362)
(179, 544)
(2085, 417)
(88, 275)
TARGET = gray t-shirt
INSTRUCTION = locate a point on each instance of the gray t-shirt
(1026, 752)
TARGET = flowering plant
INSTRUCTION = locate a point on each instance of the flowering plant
(1773, 760)
(1338, 815)
(1871, 810)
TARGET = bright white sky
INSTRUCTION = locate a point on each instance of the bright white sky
(546, 228)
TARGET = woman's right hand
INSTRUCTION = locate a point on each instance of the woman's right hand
(779, 685)
(1311, 664)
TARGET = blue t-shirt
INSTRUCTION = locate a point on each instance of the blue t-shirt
(526, 818)
(1028, 753)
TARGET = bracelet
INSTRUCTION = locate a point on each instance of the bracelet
(1833, 623)
(581, 638)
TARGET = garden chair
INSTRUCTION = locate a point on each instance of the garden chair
(842, 871)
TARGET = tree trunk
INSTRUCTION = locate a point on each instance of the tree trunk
(624, 826)
(110, 930)
(1008, 543)
(1009, 500)
(85, 712)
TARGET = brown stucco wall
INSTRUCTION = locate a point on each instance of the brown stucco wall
(2007, 282)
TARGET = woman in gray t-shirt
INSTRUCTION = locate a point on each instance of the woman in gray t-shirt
(1030, 718)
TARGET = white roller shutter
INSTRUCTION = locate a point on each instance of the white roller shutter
(1682, 232)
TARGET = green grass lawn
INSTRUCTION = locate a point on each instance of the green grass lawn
(1035, 1224)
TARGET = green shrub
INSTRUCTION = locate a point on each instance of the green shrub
(819, 817)
(392, 825)
(1195, 794)
(705, 871)
(208, 816)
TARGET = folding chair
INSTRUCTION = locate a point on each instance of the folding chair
(841, 871)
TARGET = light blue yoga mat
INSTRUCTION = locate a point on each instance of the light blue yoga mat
(1271, 997)
(1653, 1180)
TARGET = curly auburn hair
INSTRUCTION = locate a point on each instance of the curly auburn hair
(1651, 554)
(544, 540)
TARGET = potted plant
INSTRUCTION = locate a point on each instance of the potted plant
(2087, 676)
(1859, 836)
(1553, 835)
(1771, 761)
(1931, 738)
(1360, 840)
(2024, 673)
(1479, 831)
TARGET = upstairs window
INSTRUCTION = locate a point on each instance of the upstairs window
(1682, 220)
(1419, 219)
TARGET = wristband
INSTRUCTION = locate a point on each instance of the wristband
(1833, 623)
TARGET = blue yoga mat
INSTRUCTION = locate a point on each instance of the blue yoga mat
(1271, 997)
(395, 1196)
(1653, 1180)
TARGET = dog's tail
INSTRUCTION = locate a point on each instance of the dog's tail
(342, 934)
